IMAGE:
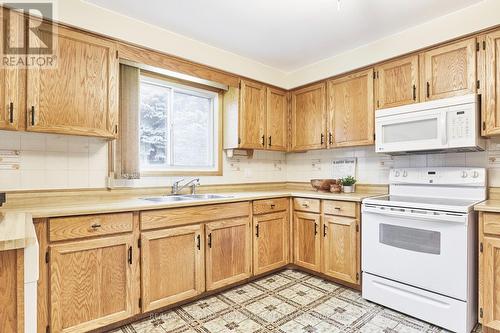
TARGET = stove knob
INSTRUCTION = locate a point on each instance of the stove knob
(464, 174)
(405, 173)
(475, 174)
(396, 173)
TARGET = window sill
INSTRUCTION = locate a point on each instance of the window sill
(181, 173)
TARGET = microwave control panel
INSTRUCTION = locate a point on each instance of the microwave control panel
(460, 124)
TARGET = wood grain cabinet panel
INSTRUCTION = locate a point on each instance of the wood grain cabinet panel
(172, 264)
(306, 240)
(79, 95)
(449, 70)
(340, 248)
(492, 88)
(11, 78)
(252, 115)
(308, 118)
(396, 82)
(228, 252)
(270, 248)
(91, 283)
(491, 284)
(277, 119)
(12, 291)
(351, 110)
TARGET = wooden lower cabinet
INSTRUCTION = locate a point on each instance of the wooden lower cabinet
(270, 246)
(91, 283)
(172, 264)
(306, 240)
(228, 252)
(340, 244)
(12, 291)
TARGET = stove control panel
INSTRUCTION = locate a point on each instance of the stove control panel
(439, 175)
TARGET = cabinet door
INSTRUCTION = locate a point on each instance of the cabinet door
(306, 240)
(11, 87)
(79, 95)
(172, 265)
(228, 252)
(12, 291)
(397, 82)
(450, 70)
(340, 248)
(252, 115)
(491, 284)
(492, 91)
(91, 283)
(309, 118)
(277, 119)
(350, 108)
(270, 250)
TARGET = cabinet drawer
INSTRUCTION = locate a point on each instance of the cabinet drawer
(342, 208)
(491, 223)
(65, 228)
(306, 205)
(270, 205)
(162, 218)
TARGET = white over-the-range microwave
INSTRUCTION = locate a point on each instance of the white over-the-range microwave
(450, 124)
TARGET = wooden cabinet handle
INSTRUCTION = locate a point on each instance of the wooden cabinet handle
(96, 225)
(32, 115)
(263, 138)
(428, 89)
(330, 138)
(337, 208)
(270, 144)
(315, 229)
(198, 242)
(305, 204)
(414, 92)
(324, 230)
(272, 206)
(210, 240)
(322, 138)
(11, 112)
(257, 231)
(130, 255)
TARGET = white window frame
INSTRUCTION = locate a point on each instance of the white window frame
(215, 138)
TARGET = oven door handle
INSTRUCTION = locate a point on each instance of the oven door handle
(411, 213)
(444, 129)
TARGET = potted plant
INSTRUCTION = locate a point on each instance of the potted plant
(348, 184)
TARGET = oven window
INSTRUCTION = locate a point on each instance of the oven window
(417, 240)
(410, 131)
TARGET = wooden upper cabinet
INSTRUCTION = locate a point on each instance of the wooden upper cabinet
(12, 291)
(91, 283)
(172, 265)
(80, 94)
(396, 82)
(270, 249)
(449, 70)
(340, 257)
(308, 118)
(228, 252)
(277, 119)
(252, 119)
(306, 241)
(11, 78)
(492, 84)
(350, 109)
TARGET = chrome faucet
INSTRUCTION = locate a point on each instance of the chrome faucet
(176, 188)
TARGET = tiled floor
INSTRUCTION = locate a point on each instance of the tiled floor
(289, 301)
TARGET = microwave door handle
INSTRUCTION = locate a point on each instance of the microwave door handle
(444, 128)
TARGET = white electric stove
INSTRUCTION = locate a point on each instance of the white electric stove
(419, 245)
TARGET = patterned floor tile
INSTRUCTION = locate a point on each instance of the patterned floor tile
(285, 302)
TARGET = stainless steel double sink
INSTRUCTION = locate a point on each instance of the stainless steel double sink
(187, 197)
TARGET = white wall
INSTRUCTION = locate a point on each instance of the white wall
(49, 161)
(90, 17)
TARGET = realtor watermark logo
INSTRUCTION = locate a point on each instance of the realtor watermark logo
(28, 41)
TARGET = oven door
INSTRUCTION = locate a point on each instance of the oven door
(425, 249)
(413, 131)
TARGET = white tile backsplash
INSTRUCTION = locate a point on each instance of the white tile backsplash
(49, 161)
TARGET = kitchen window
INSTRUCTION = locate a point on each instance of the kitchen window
(178, 128)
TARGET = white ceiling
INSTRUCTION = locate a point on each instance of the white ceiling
(285, 34)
